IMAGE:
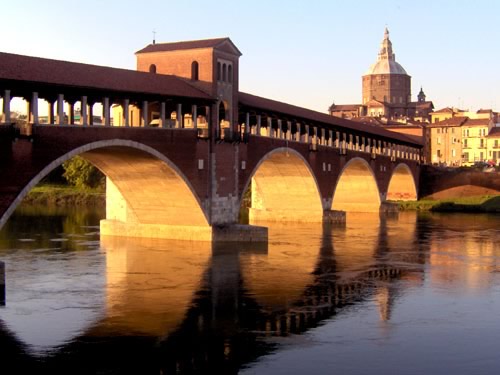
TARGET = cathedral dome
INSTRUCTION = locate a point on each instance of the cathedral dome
(386, 62)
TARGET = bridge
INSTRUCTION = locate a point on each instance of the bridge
(181, 146)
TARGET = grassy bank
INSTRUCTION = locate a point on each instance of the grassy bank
(483, 203)
(65, 195)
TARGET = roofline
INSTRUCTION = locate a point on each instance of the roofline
(222, 40)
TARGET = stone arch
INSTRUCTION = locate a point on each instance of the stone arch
(152, 68)
(284, 188)
(356, 189)
(402, 184)
(172, 199)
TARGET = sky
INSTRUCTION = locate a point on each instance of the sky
(306, 53)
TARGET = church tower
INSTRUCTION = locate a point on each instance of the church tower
(387, 82)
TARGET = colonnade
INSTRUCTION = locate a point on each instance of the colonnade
(316, 135)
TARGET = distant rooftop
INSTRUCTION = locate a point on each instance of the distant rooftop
(192, 44)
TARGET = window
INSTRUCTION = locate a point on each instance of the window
(466, 156)
(453, 130)
(438, 140)
(152, 68)
(465, 143)
(218, 71)
(481, 143)
(230, 74)
(224, 72)
(194, 71)
(438, 130)
(439, 153)
(453, 152)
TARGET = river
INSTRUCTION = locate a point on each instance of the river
(414, 294)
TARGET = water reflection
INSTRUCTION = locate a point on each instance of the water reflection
(150, 306)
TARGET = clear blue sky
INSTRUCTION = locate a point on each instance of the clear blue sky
(307, 53)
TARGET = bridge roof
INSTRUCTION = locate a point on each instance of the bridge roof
(338, 123)
(20, 68)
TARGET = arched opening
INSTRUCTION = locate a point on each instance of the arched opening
(284, 189)
(224, 72)
(152, 68)
(194, 70)
(218, 71)
(402, 185)
(224, 125)
(146, 194)
(356, 189)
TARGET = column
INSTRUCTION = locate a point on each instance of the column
(280, 129)
(194, 114)
(6, 107)
(330, 138)
(322, 140)
(297, 132)
(306, 135)
(71, 115)
(247, 123)
(259, 122)
(50, 109)
(91, 113)
(60, 109)
(178, 117)
(105, 112)
(34, 108)
(289, 130)
(84, 120)
(125, 114)
(163, 122)
(144, 113)
(270, 127)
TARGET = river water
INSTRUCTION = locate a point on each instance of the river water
(414, 294)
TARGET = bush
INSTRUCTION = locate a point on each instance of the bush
(82, 174)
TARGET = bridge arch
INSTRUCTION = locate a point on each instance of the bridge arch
(402, 184)
(150, 192)
(356, 189)
(284, 188)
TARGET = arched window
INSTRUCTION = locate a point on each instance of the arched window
(224, 72)
(152, 68)
(194, 70)
(230, 74)
(218, 71)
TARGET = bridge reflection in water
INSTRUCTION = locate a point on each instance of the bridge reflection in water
(188, 307)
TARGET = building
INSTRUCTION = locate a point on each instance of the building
(493, 145)
(386, 92)
(474, 140)
(444, 141)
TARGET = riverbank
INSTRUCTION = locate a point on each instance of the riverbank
(480, 204)
(59, 195)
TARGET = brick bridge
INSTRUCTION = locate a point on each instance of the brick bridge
(180, 144)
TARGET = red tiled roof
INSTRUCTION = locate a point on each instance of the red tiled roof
(310, 115)
(345, 107)
(494, 132)
(192, 44)
(453, 121)
(64, 73)
(478, 122)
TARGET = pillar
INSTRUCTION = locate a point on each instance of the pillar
(91, 113)
(297, 132)
(125, 115)
(330, 138)
(6, 107)
(178, 117)
(322, 140)
(105, 112)
(270, 127)
(247, 123)
(194, 114)
(163, 122)
(306, 135)
(84, 120)
(259, 123)
(50, 109)
(60, 109)
(34, 108)
(71, 114)
(280, 129)
(144, 113)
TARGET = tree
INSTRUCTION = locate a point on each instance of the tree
(82, 174)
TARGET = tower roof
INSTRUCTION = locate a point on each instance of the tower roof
(386, 61)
